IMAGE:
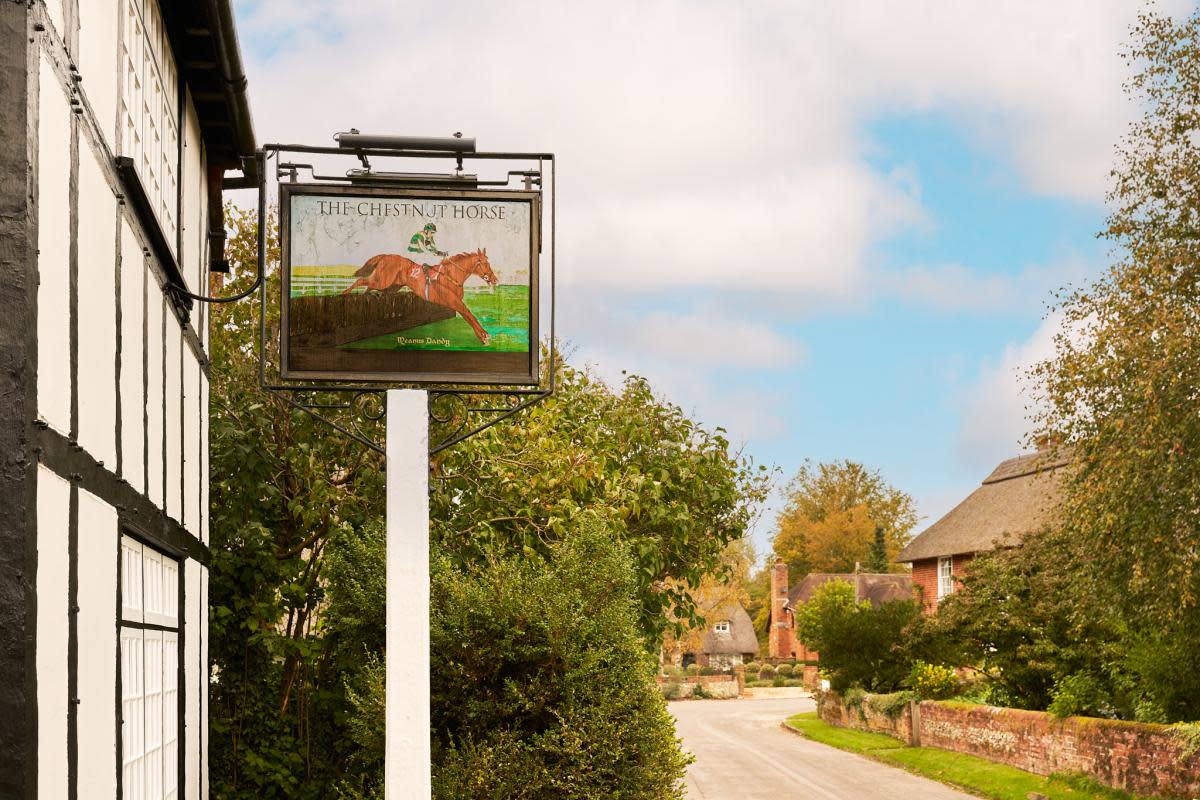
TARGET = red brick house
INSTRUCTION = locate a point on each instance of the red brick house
(1017, 498)
(876, 587)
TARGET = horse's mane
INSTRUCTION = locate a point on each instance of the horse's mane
(458, 258)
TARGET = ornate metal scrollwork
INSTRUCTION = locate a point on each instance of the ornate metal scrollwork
(454, 416)
(359, 415)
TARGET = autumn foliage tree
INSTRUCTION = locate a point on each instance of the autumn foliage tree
(832, 513)
(717, 593)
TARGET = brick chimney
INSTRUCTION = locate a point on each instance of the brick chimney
(780, 642)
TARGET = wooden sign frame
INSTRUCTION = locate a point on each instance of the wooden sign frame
(322, 359)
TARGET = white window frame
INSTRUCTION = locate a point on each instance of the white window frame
(151, 638)
(945, 573)
(149, 109)
(721, 627)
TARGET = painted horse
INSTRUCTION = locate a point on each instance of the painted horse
(441, 284)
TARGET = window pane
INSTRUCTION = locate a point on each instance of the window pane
(132, 714)
(154, 713)
(170, 721)
(152, 575)
(131, 579)
(170, 589)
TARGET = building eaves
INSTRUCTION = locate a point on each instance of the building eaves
(204, 38)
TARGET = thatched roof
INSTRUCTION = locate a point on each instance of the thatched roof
(877, 587)
(740, 639)
(1019, 497)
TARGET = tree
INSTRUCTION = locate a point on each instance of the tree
(860, 645)
(675, 492)
(718, 592)
(297, 638)
(833, 509)
(282, 490)
(1014, 621)
(877, 561)
(540, 680)
(1123, 386)
(758, 604)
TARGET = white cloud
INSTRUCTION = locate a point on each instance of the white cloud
(1036, 81)
(707, 339)
(747, 413)
(705, 144)
(997, 408)
(954, 287)
(719, 151)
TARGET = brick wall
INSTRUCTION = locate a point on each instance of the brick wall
(1135, 757)
(925, 581)
(718, 686)
(864, 718)
(925, 578)
(960, 567)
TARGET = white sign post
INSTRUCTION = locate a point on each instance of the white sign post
(407, 771)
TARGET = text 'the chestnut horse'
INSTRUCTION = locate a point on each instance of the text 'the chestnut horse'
(441, 283)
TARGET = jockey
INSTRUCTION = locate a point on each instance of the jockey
(423, 241)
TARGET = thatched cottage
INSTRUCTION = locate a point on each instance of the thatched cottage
(728, 640)
(1017, 498)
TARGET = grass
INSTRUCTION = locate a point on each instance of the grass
(976, 775)
(324, 270)
(842, 738)
(503, 313)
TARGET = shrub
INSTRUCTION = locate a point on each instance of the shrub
(672, 690)
(531, 699)
(700, 693)
(1077, 695)
(785, 670)
(890, 705)
(860, 645)
(932, 681)
(753, 667)
(1188, 736)
(693, 670)
(672, 671)
(780, 680)
(766, 673)
(853, 698)
(710, 671)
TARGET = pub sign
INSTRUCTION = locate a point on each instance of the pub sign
(409, 285)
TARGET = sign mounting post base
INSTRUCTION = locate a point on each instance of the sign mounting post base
(407, 757)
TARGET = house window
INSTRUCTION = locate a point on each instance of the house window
(721, 627)
(945, 577)
(150, 642)
(149, 101)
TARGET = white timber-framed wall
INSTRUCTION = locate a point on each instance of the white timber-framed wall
(110, 167)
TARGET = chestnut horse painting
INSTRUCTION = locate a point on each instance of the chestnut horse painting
(440, 283)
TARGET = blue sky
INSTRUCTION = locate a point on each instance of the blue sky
(832, 229)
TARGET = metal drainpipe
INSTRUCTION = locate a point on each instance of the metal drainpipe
(234, 84)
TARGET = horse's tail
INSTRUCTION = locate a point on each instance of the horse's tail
(369, 267)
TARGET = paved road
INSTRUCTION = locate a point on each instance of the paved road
(741, 754)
